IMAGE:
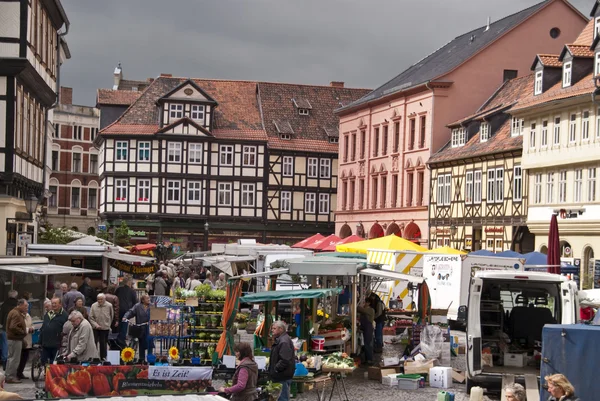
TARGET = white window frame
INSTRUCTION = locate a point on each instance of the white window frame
(597, 64)
(173, 191)
(303, 112)
(562, 186)
(499, 185)
(121, 189)
(516, 126)
(287, 166)
(477, 176)
(491, 186)
(224, 194)
(195, 153)
(484, 131)
(591, 184)
(469, 188)
(174, 152)
(556, 130)
(440, 190)
(121, 151)
(596, 27)
(550, 188)
(194, 190)
(53, 200)
(532, 135)
(578, 188)
(248, 156)
(310, 202)
(517, 183)
(143, 188)
(567, 73)
(197, 112)
(144, 151)
(285, 203)
(585, 126)
(537, 197)
(459, 136)
(448, 189)
(79, 168)
(73, 205)
(248, 195)
(572, 128)
(92, 203)
(312, 167)
(226, 155)
(324, 204)
(175, 110)
(538, 83)
(544, 139)
(325, 168)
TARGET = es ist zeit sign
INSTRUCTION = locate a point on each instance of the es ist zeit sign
(179, 372)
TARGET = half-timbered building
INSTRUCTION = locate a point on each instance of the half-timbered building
(478, 187)
(186, 160)
(31, 51)
(74, 183)
(303, 156)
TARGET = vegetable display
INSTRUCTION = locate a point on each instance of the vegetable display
(338, 360)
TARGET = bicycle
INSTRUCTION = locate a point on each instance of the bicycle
(134, 335)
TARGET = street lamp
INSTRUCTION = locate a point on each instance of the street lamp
(206, 227)
(31, 203)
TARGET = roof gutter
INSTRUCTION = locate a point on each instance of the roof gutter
(550, 103)
(370, 103)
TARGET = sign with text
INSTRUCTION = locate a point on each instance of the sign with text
(135, 270)
(180, 372)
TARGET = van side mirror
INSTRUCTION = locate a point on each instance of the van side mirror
(462, 313)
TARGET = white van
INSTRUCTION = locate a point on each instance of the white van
(505, 315)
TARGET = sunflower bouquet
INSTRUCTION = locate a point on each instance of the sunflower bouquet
(127, 354)
(173, 353)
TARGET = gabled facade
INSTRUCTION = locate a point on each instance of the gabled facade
(74, 186)
(31, 52)
(394, 130)
(478, 188)
(303, 156)
(561, 144)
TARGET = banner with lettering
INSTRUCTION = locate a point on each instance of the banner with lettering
(135, 270)
(66, 381)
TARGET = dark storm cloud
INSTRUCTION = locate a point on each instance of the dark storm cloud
(364, 43)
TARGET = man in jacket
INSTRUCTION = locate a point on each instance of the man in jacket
(16, 330)
(80, 345)
(101, 318)
(141, 313)
(5, 309)
(127, 299)
(87, 291)
(111, 298)
(281, 361)
(379, 308)
(51, 331)
(70, 297)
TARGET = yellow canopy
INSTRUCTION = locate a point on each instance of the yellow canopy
(390, 243)
(446, 250)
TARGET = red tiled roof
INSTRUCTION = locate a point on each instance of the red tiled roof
(501, 140)
(550, 60)
(581, 51)
(137, 129)
(303, 145)
(586, 36)
(117, 97)
(257, 135)
(557, 92)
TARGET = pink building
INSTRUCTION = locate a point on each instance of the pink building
(387, 136)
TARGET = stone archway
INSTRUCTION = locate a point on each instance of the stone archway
(345, 231)
(394, 229)
(376, 231)
(587, 271)
(412, 232)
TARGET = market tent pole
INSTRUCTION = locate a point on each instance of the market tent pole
(353, 314)
(232, 303)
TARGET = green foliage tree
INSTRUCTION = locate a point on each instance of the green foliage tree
(60, 236)
(122, 237)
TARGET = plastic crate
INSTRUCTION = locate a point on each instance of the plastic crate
(389, 380)
(409, 382)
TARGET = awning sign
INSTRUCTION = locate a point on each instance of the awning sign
(133, 269)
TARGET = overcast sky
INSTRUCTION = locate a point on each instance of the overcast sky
(361, 42)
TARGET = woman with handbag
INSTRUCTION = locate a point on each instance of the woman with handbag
(245, 377)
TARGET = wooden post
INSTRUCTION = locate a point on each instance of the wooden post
(353, 314)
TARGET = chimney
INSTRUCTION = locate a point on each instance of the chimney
(487, 27)
(162, 74)
(150, 80)
(118, 76)
(337, 84)
(66, 95)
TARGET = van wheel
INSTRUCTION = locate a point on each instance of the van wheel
(469, 385)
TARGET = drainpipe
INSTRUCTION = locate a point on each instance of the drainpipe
(430, 183)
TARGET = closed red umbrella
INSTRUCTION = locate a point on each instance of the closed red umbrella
(553, 260)
(307, 241)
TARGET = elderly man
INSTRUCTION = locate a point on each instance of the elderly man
(281, 361)
(7, 306)
(101, 318)
(16, 330)
(80, 344)
(209, 280)
(51, 331)
(221, 283)
(73, 295)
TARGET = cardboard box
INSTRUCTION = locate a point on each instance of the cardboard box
(518, 360)
(393, 361)
(440, 377)
(376, 373)
(418, 367)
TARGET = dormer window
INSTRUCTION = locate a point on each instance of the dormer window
(176, 110)
(538, 83)
(334, 139)
(517, 126)
(303, 106)
(485, 132)
(303, 112)
(197, 112)
(567, 74)
(286, 137)
(597, 64)
(596, 27)
(458, 137)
